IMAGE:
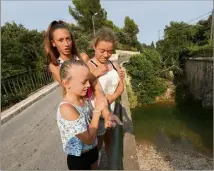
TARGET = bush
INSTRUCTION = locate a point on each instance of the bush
(144, 70)
(8, 100)
(133, 102)
(200, 51)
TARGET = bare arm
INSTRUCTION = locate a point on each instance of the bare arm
(55, 72)
(68, 112)
(84, 57)
(98, 71)
(120, 87)
(108, 117)
(98, 92)
(112, 97)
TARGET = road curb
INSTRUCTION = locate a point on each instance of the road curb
(19, 107)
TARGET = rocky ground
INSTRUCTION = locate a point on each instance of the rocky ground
(173, 158)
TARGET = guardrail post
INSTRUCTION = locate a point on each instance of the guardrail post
(115, 161)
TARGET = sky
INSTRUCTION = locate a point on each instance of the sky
(150, 16)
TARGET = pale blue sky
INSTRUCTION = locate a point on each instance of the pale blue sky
(150, 16)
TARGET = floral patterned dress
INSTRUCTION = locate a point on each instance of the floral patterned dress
(72, 145)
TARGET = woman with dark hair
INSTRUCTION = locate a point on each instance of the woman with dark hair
(59, 47)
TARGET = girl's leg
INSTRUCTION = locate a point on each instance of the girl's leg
(93, 157)
(94, 166)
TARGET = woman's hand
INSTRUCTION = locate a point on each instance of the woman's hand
(112, 121)
(100, 70)
(121, 74)
(110, 98)
(100, 103)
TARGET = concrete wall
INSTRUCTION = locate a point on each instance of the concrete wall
(199, 76)
(124, 52)
(130, 158)
(125, 55)
(114, 57)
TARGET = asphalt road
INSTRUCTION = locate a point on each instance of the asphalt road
(31, 140)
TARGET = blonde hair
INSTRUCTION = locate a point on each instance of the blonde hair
(65, 67)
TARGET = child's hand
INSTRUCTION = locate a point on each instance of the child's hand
(110, 98)
(100, 103)
(115, 119)
(112, 121)
(100, 70)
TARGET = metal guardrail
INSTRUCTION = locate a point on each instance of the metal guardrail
(115, 161)
(18, 87)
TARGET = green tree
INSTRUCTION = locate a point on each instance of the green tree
(21, 49)
(152, 45)
(123, 37)
(145, 70)
(131, 29)
(81, 38)
(130, 26)
(203, 29)
(185, 40)
(178, 36)
(110, 24)
(83, 11)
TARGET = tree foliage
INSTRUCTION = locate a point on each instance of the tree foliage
(144, 70)
(185, 40)
(22, 49)
(131, 29)
(83, 10)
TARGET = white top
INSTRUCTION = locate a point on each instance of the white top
(109, 82)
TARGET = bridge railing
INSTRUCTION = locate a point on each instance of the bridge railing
(17, 87)
(115, 161)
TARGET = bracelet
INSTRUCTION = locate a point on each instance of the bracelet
(96, 111)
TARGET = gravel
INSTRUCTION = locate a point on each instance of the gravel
(173, 158)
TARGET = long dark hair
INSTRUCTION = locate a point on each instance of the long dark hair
(52, 52)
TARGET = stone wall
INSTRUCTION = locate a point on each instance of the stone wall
(199, 77)
(125, 52)
(125, 55)
(114, 57)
